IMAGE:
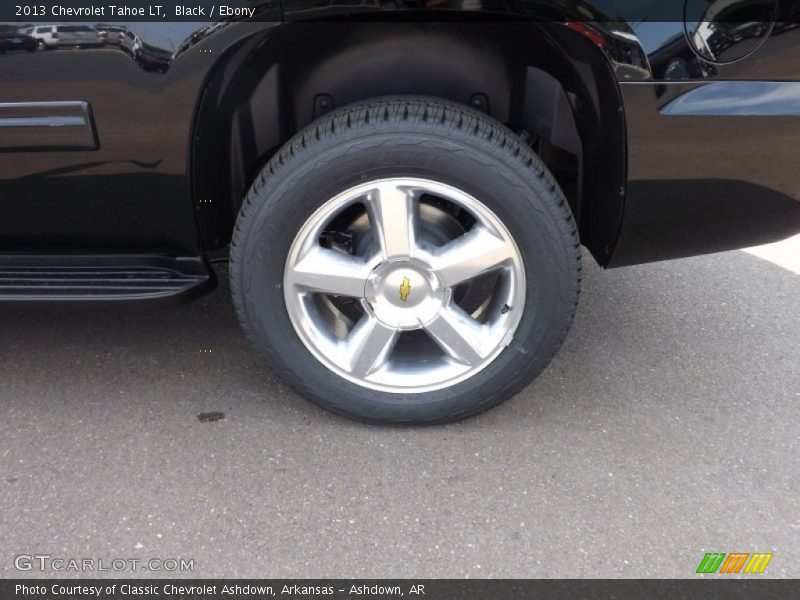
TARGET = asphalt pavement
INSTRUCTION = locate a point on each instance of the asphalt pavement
(667, 427)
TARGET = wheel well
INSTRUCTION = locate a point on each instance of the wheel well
(544, 81)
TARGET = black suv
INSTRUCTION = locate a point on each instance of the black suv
(401, 192)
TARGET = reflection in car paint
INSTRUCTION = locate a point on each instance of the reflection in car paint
(154, 55)
(724, 31)
(13, 38)
(743, 98)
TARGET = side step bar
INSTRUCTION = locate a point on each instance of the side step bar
(35, 280)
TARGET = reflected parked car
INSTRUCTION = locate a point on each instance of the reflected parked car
(151, 58)
(111, 35)
(17, 40)
(49, 37)
(130, 43)
(42, 37)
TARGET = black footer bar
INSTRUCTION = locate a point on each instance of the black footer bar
(380, 589)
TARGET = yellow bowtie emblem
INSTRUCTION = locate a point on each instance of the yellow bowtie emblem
(405, 289)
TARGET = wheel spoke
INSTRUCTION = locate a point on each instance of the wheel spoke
(368, 346)
(393, 217)
(331, 272)
(474, 253)
(458, 334)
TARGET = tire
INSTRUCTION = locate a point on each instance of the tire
(451, 161)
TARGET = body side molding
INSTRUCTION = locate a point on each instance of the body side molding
(47, 126)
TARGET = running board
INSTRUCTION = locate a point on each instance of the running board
(35, 280)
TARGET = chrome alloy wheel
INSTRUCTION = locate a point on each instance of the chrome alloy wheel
(388, 298)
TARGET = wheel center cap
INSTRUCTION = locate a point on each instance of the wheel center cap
(404, 293)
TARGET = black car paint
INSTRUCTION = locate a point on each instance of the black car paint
(689, 183)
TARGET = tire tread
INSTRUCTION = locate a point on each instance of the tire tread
(425, 113)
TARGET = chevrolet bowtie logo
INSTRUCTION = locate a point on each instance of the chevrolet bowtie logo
(405, 289)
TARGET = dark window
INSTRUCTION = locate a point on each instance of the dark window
(75, 29)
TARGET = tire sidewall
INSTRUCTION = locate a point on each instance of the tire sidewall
(306, 181)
